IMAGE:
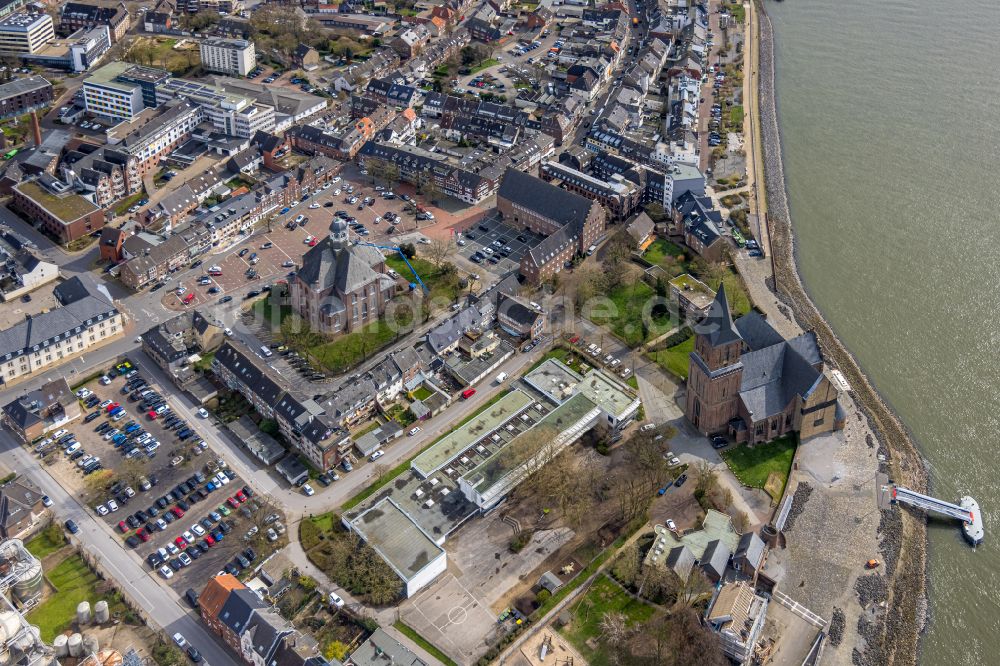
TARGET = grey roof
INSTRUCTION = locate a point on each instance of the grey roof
(517, 311)
(81, 303)
(756, 332)
(548, 201)
(772, 377)
(249, 373)
(21, 86)
(718, 325)
(381, 649)
(265, 629)
(715, 558)
(448, 333)
(347, 270)
(680, 559)
(406, 359)
(239, 608)
(751, 549)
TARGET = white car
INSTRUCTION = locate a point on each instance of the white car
(378, 454)
(308, 490)
(336, 192)
(335, 600)
(648, 427)
(228, 332)
(101, 510)
(46, 501)
(60, 433)
(313, 206)
(671, 525)
(73, 449)
(172, 548)
(336, 179)
(83, 393)
(272, 536)
(187, 536)
(168, 573)
(202, 412)
(299, 218)
(307, 240)
(179, 639)
(112, 506)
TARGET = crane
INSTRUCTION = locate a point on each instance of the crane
(402, 255)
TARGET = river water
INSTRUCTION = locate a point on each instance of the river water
(890, 120)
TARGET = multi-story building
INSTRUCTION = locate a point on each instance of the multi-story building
(76, 15)
(418, 166)
(106, 96)
(86, 316)
(148, 139)
(620, 197)
(235, 57)
(25, 33)
(748, 381)
(23, 269)
(48, 407)
(570, 223)
(106, 174)
(230, 113)
(22, 96)
(53, 208)
(303, 422)
(172, 343)
(21, 507)
(148, 262)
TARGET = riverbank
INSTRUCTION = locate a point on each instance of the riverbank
(894, 638)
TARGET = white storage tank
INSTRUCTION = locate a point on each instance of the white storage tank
(82, 613)
(101, 612)
(10, 623)
(75, 645)
(59, 644)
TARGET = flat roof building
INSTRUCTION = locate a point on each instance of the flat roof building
(106, 96)
(22, 96)
(402, 543)
(236, 57)
(25, 33)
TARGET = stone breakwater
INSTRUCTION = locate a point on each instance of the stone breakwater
(894, 639)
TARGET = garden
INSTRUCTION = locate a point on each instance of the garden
(605, 599)
(764, 465)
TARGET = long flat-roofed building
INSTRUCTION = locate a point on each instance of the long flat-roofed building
(22, 96)
(106, 96)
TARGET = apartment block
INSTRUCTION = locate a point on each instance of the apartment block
(81, 15)
(106, 96)
(24, 95)
(235, 57)
(25, 33)
(86, 317)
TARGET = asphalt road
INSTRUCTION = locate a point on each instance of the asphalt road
(159, 602)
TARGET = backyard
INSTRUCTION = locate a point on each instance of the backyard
(668, 256)
(764, 465)
(442, 281)
(584, 629)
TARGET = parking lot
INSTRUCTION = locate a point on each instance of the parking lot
(151, 476)
(274, 254)
(492, 240)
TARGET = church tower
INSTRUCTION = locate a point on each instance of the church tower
(338, 234)
(714, 370)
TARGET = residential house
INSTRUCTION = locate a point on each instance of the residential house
(75, 16)
(23, 269)
(149, 262)
(43, 410)
(20, 508)
(176, 343)
(737, 614)
(306, 57)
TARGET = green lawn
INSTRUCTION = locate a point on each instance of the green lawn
(736, 117)
(752, 466)
(485, 64)
(669, 256)
(422, 393)
(441, 284)
(75, 582)
(739, 299)
(572, 359)
(346, 351)
(45, 543)
(423, 642)
(323, 521)
(675, 359)
(626, 320)
(738, 13)
(205, 363)
(272, 309)
(603, 597)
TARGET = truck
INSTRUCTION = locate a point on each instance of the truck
(501, 378)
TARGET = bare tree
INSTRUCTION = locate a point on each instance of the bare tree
(132, 469)
(439, 251)
(615, 631)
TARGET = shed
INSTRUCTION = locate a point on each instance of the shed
(293, 469)
(549, 581)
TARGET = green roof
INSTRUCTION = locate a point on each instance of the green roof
(67, 207)
(449, 446)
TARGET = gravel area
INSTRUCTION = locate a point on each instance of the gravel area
(871, 589)
(799, 500)
(836, 628)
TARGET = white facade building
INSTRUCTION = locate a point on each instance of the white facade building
(25, 33)
(235, 57)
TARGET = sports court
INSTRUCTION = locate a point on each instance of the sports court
(452, 618)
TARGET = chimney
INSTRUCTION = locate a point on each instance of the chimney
(36, 128)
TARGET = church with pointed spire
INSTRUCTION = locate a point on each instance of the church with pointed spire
(747, 382)
(341, 287)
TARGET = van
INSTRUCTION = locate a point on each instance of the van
(265, 351)
(501, 378)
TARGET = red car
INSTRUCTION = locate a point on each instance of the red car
(177, 511)
(233, 503)
(152, 415)
(180, 543)
(189, 298)
(575, 339)
(143, 535)
(122, 526)
(468, 393)
(240, 496)
(313, 242)
(209, 540)
(112, 406)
